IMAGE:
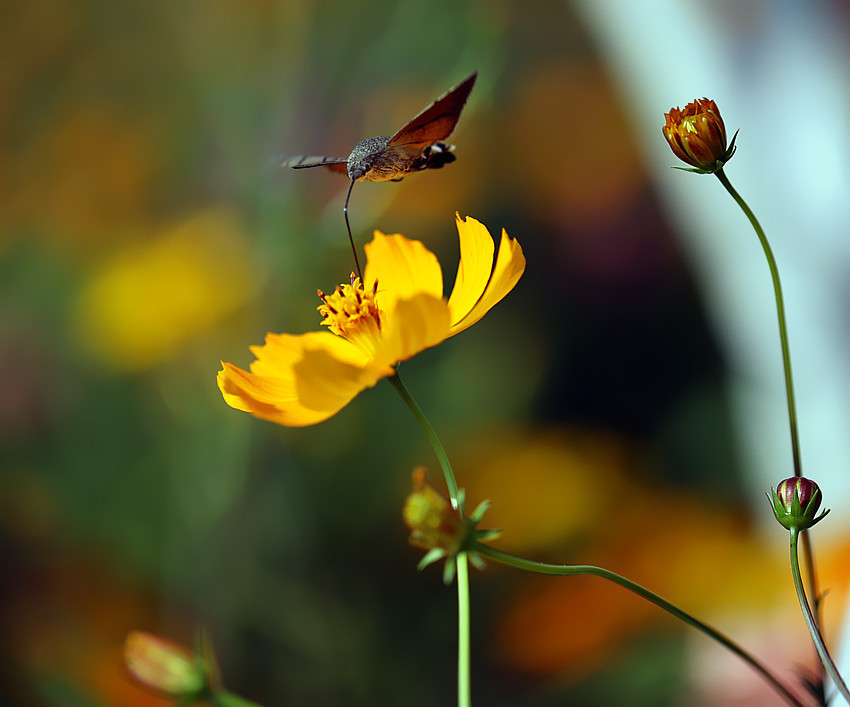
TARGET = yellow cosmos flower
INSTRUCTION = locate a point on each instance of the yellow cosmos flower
(400, 311)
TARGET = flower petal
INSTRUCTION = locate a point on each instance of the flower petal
(298, 380)
(282, 351)
(324, 382)
(476, 265)
(403, 268)
(510, 265)
(412, 326)
(265, 397)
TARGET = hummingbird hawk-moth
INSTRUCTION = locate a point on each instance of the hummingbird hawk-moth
(417, 146)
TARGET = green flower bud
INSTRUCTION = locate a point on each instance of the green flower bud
(795, 503)
(440, 529)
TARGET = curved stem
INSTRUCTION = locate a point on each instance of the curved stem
(812, 624)
(780, 312)
(568, 570)
(431, 434)
(464, 690)
(811, 575)
(808, 554)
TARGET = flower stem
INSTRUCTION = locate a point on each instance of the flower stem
(464, 698)
(431, 434)
(812, 623)
(464, 691)
(786, 363)
(780, 312)
(564, 570)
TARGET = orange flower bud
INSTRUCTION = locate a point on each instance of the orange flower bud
(164, 667)
(697, 136)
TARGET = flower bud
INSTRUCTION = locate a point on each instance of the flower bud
(164, 667)
(795, 502)
(697, 136)
(434, 524)
(444, 532)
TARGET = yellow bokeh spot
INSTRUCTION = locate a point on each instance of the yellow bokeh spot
(547, 489)
(148, 301)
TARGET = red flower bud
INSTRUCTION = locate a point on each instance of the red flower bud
(795, 503)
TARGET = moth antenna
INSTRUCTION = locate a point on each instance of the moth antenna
(350, 237)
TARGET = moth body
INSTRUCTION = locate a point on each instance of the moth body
(375, 160)
(367, 162)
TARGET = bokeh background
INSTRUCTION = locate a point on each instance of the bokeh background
(623, 407)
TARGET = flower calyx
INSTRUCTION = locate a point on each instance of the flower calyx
(444, 531)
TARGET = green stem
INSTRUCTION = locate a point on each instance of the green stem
(223, 698)
(786, 363)
(464, 690)
(812, 623)
(780, 312)
(431, 434)
(569, 570)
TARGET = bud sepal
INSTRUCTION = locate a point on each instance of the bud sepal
(795, 502)
(445, 532)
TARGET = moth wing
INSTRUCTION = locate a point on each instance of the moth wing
(335, 164)
(437, 121)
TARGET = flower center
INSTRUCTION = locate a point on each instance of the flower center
(690, 123)
(353, 314)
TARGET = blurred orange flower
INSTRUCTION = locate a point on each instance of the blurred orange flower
(547, 488)
(303, 380)
(84, 180)
(693, 554)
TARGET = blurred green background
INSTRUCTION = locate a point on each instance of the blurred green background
(146, 234)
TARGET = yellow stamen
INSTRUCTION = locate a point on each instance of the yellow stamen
(353, 313)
